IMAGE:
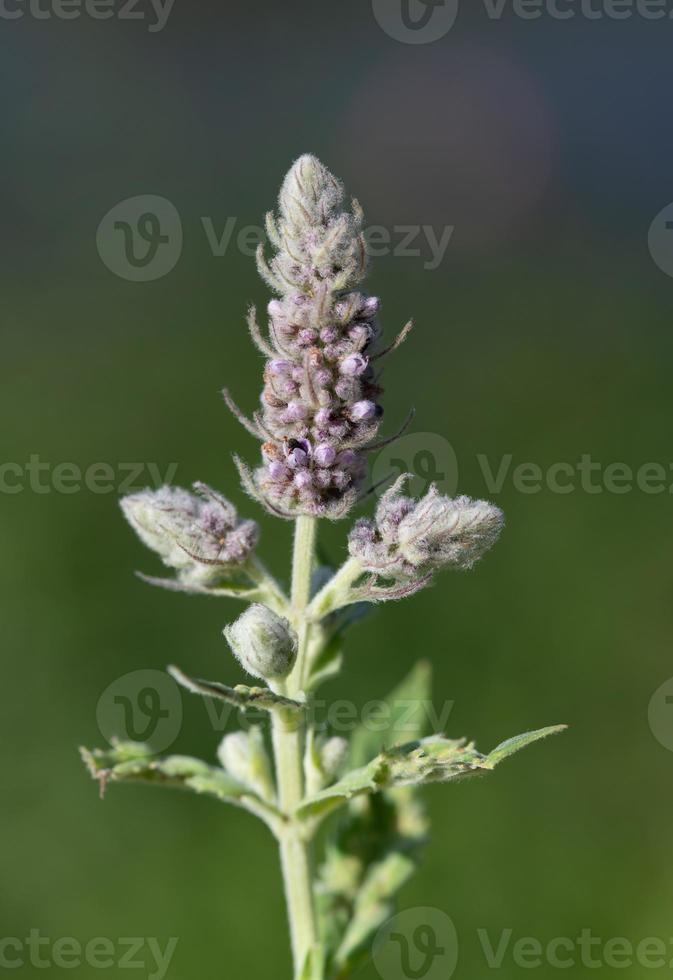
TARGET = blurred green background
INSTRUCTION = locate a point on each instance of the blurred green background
(545, 333)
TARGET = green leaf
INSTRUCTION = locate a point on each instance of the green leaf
(373, 906)
(428, 760)
(407, 714)
(373, 852)
(241, 696)
(130, 762)
(371, 855)
(175, 585)
(368, 779)
(512, 745)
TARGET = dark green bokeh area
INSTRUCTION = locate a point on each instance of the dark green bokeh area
(545, 333)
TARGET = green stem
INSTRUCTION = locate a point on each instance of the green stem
(302, 567)
(337, 592)
(288, 739)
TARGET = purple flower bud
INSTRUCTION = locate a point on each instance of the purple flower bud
(363, 411)
(363, 532)
(323, 416)
(341, 479)
(287, 388)
(345, 389)
(213, 519)
(325, 454)
(329, 334)
(348, 458)
(360, 335)
(338, 430)
(303, 480)
(296, 411)
(323, 478)
(200, 536)
(307, 337)
(411, 538)
(297, 458)
(354, 365)
(278, 471)
(279, 367)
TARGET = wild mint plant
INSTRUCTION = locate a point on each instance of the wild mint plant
(319, 419)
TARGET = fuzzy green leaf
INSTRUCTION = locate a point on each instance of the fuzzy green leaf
(241, 696)
(373, 905)
(373, 852)
(130, 762)
(428, 760)
(379, 833)
(512, 745)
(368, 779)
(371, 855)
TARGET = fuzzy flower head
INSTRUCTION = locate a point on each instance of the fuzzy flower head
(318, 242)
(411, 538)
(320, 406)
(199, 535)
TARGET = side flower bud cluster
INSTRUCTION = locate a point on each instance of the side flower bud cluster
(263, 642)
(320, 404)
(409, 539)
(199, 534)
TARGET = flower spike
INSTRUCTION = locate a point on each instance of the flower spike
(320, 404)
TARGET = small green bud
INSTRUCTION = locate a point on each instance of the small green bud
(243, 755)
(332, 756)
(323, 761)
(263, 642)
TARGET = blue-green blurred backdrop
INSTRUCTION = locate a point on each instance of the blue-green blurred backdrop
(544, 333)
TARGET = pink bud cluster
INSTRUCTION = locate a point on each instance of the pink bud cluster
(320, 401)
(199, 534)
(411, 538)
(320, 405)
